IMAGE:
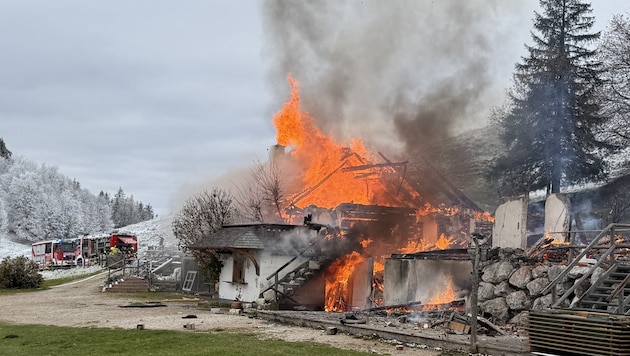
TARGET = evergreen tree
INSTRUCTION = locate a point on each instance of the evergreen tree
(548, 124)
(118, 208)
(126, 211)
(148, 213)
(4, 151)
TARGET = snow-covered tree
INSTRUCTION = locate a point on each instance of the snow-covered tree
(126, 211)
(4, 219)
(37, 202)
(614, 52)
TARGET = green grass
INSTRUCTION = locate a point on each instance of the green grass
(48, 283)
(51, 340)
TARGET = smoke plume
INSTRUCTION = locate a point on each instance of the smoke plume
(409, 72)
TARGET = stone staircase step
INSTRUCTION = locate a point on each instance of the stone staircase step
(129, 285)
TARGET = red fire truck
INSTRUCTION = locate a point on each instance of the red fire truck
(81, 251)
(54, 253)
(91, 249)
(125, 243)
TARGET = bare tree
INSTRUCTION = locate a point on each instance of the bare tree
(261, 197)
(614, 52)
(202, 215)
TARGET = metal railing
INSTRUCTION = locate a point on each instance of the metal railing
(606, 259)
(123, 267)
(275, 275)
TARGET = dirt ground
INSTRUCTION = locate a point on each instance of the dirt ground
(82, 304)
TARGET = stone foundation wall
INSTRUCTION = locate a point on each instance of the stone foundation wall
(511, 284)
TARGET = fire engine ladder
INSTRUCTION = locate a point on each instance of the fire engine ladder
(611, 292)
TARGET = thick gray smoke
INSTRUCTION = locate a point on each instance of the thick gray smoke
(407, 72)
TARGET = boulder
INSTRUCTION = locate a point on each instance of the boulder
(502, 289)
(497, 272)
(597, 274)
(542, 302)
(577, 272)
(521, 277)
(518, 301)
(520, 318)
(554, 271)
(536, 286)
(539, 271)
(496, 307)
(485, 291)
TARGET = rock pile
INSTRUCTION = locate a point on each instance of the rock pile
(511, 284)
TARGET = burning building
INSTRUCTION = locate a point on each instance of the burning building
(366, 205)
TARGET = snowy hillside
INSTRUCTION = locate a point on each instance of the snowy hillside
(153, 233)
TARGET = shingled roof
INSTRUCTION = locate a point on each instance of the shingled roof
(253, 236)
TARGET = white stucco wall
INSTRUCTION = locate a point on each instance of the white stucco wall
(510, 224)
(557, 217)
(228, 289)
(254, 284)
(421, 280)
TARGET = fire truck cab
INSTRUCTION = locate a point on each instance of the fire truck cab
(54, 253)
(81, 251)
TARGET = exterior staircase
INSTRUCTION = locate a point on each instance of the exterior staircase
(610, 293)
(300, 275)
(285, 285)
(596, 322)
(129, 285)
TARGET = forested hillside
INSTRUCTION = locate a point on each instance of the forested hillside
(37, 202)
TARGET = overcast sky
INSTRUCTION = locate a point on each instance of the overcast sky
(159, 96)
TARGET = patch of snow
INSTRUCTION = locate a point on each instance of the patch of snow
(10, 248)
(70, 272)
(154, 233)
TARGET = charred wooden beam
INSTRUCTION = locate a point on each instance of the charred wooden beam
(308, 191)
(373, 166)
(385, 307)
(400, 175)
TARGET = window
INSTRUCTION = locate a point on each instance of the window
(188, 282)
(238, 269)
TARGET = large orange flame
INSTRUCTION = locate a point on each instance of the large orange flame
(326, 173)
(321, 160)
(337, 281)
(443, 296)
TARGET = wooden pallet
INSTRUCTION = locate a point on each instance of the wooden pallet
(572, 332)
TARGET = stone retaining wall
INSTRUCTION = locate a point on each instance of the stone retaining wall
(511, 284)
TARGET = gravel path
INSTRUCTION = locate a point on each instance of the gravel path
(82, 304)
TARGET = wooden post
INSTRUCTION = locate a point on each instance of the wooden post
(275, 287)
(475, 257)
